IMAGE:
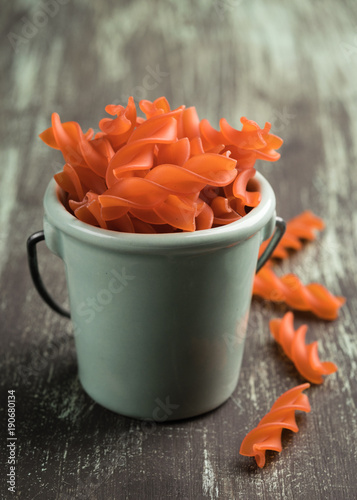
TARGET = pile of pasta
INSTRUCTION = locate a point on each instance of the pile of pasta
(312, 297)
(164, 173)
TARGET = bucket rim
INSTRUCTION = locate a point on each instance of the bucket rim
(58, 217)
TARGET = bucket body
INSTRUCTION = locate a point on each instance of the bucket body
(159, 319)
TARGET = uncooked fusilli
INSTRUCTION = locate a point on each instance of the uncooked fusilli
(267, 434)
(304, 356)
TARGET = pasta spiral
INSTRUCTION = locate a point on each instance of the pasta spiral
(289, 289)
(305, 357)
(301, 227)
(267, 434)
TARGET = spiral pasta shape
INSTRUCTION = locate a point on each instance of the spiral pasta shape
(118, 129)
(289, 289)
(247, 145)
(301, 227)
(305, 357)
(267, 434)
(88, 210)
(158, 107)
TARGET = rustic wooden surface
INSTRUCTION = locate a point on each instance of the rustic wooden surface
(292, 63)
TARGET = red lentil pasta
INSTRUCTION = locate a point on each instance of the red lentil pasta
(304, 356)
(289, 289)
(166, 172)
(301, 227)
(267, 434)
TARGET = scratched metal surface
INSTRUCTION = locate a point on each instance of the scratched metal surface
(294, 64)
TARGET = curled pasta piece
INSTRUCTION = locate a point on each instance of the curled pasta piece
(267, 434)
(162, 128)
(89, 158)
(142, 227)
(247, 145)
(245, 158)
(304, 356)
(205, 218)
(178, 213)
(175, 153)
(124, 224)
(157, 107)
(301, 227)
(96, 154)
(148, 216)
(68, 140)
(198, 172)
(268, 153)
(77, 150)
(88, 210)
(180, 180)
(240, 191)
(189, 124)
(71, 128)
(196, 147)
(76, 181)
(119, 129)
(130, 158)
(210, 136)
(218, 168)
(134, 192)
(70, 182)
(289, 289)
(250, 137)
(223, 212)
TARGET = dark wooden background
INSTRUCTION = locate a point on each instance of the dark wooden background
(291, 63)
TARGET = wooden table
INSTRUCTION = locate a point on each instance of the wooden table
(291, 63)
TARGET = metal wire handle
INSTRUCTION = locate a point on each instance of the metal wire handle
(35, 273)
(280, 226)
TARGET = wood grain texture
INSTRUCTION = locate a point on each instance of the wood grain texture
(291, 63)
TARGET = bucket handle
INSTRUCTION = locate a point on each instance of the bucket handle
(280, 226)
(35, 238)
(35, 273)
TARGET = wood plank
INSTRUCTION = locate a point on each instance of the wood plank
(294, 64)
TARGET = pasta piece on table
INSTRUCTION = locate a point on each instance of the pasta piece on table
(289, 289)
(267, 434)
(304, 356)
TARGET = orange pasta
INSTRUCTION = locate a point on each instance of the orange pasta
(267, 434)
(301, 227)
(305, 357)
(166, 172)
(289, 289)
(118, 130)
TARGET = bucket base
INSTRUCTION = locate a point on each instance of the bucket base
(163, 410)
